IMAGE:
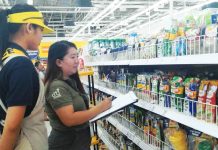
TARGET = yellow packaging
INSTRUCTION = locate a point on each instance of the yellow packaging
(172, 36)
(177, 138)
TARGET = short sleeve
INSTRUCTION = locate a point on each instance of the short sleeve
(59, 96)
(20, 89)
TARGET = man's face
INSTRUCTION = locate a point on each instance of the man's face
(41, 67)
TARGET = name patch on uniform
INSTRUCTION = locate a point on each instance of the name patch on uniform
(56, 94)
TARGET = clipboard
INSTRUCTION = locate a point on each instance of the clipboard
(117, 104)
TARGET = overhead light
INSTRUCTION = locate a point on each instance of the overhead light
(136, 15)
(30, 2)
(147, 13)
(156, 9)
(165, 17)
(112, 5)
(122, 9)
(82, 3)
(111, 11)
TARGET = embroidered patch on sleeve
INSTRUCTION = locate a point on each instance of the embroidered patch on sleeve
(56, 94)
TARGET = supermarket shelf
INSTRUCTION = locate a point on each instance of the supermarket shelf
(208, 128)
(196, 50)
(136, 134)
(177, 60)
(106, 138)
(108, 63)
(104, 89)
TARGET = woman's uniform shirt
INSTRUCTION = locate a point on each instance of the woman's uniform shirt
(19, 83)
(61, 93)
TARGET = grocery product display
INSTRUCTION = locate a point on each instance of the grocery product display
(189, 91)
(187, 35)
(174, 75)
(156, 128)
(104, 46)
(184, 91)
(163, 51)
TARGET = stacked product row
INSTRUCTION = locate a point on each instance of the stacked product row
(192, 34)
(178, 136)
(195, 33)
(192, 94)
(119, 140)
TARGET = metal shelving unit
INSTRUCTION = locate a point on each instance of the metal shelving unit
(106, 138)
(149, 101)
(144, 140)
(197, 51)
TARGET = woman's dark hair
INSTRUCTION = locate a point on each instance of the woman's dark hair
(7, 29)
(57, 51)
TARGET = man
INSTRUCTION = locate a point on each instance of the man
(40, 69)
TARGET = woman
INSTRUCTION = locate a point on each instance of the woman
(66, 101)
(21, 92)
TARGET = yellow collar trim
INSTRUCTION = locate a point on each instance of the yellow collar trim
(12, 52)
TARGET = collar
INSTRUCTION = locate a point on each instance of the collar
(18, 47)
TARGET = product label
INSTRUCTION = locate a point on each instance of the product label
(202, 93)
(192, 94)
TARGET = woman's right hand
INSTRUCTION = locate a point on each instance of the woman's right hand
(105, 104)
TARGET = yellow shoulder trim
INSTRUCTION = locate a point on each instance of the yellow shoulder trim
(12, 52)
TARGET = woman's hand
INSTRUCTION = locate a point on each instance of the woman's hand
(105, 104)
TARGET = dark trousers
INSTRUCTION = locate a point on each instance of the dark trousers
(70, 140)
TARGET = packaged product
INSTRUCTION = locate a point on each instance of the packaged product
(192, 32)
(139, 117)
(177, 138)
(160, 45)
(147, 125)
(148, 87)
(210, 43)
(132, 114)
(201, 107)
(155, 89)
(153, 47)
(180, 46)
(127, 113)
(212, 100)
(193, 40)
(141, 86)
(198, 140)
(177, 93)
(181, 30)
(191, 92)
(157, 130)
(147, 53)
(167, 44)
(164, 96)
(141, 81)
(131, 79)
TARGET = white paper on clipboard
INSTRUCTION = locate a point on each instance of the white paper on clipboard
(117, 104)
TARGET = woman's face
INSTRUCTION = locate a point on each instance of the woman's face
(70, 62)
